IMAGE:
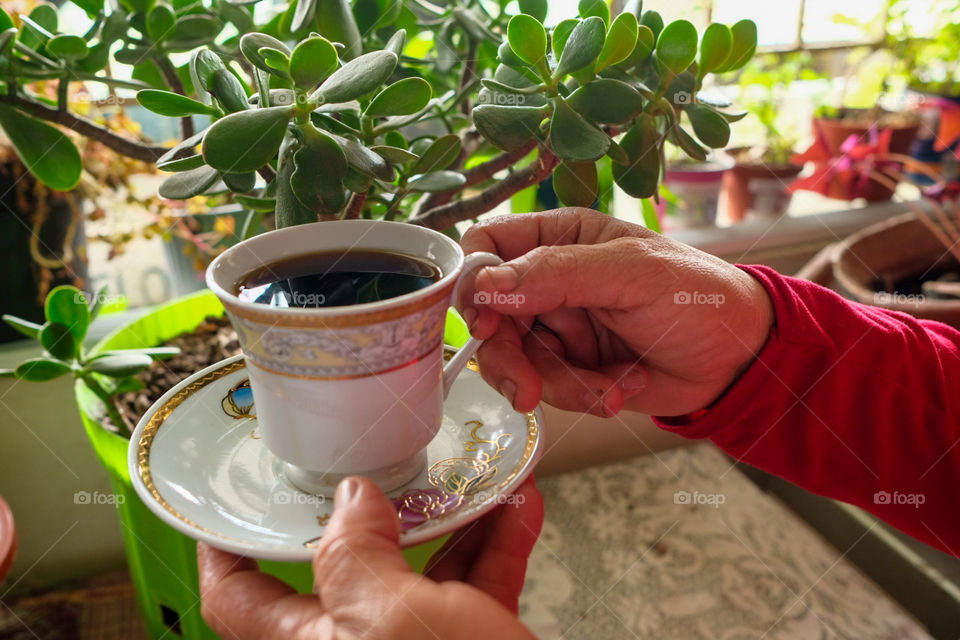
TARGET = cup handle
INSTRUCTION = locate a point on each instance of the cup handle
(456, 364)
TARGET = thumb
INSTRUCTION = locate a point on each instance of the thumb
(358, 551)
(551, 277)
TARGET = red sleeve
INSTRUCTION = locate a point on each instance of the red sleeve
(851, 402)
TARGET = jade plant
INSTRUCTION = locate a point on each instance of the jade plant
(68, 314)
(414, 111)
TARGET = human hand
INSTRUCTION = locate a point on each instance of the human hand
(366, 589)
(595, 314)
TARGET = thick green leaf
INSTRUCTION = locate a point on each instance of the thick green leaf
(356, 78)
(246, 140)
(582, 47)
(576, 183)
(396, 155)
(507, 127)
(6, 22)
(642, 49)
(183, 149)
(240, 182)
(653, 21)
(68, 48)
(193, 30)
(46, 151)
(561, 33)
(437, 181)
(641, 177)
(174, 105)
(400, 98)
(527, 38)
(97, 303)
(617, 154)
(677, 46)
(161, 21)
(92, 7)
(744, 45)
(41, 369)
(598, 8)
(27, 328)
(188, 184)
(365, 160)
(715, 47)
(289, 211)
(734, 117)
(535, 8)
(276, 60)
(312, 62)
(228, 91)
(203, 65)
(679, 136)
(320, 166)
(507, 56)
(94, 61)
(620, 41)
(334, 20)
(261, 205)
(119, 365)
(8, 37)
(439, 155)
(68, 306)
(606, 100)
(473, 25)
(396, 42)
(114, 27)
(710, 126)
(303, 15)
(250, 45)
(573, 138)
(58, 341)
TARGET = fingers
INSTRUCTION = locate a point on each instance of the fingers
(547, 278)
(240, 602)
(358, 553)
(567, 386)
(506, 368)
(501, 567)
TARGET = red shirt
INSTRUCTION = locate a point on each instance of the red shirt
(852, 402)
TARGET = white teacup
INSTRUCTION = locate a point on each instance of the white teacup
(355, 389)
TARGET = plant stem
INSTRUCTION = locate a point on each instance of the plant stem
(447, 215)
(355, 206)
(123, 146)
(476, 175)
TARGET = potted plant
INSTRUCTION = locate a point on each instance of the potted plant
(331, 111)
(758, 182)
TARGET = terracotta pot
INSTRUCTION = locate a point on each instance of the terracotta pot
(758, 189)
(890, 251)
(8, 539)
(836, 132)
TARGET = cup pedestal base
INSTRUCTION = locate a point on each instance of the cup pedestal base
(387, 478)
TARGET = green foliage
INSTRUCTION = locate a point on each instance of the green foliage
(68, 314)
(339, 108)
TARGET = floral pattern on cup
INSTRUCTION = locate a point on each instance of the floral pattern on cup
(342, 352)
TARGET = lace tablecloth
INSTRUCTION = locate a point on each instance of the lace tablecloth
(682, 545)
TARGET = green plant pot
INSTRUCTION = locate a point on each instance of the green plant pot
(162, 561)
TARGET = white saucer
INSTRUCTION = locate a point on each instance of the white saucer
(197, 462)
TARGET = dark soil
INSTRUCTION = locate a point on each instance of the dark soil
(212, 341)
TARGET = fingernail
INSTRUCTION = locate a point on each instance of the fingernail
(633, 383)
(504, 278)
(470, 317)
(347, 491)
(508, 389)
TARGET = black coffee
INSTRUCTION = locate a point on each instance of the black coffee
(337, 278)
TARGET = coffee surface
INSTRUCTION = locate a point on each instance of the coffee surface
(337, 278)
